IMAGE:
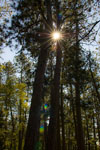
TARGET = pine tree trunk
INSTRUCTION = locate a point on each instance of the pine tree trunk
(13, 130)
(32, 133)
(88, 136)
(58, 132)
(20, 128)
(80, 137)
(20, 112)
(45, 134)
(98, 127)
(94, 133)
(62, 119)
(52, 130)
(73, 111)
(69, 142)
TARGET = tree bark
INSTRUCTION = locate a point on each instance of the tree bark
(13, 140)
(98, 128)
(94, 132)
(73, 111)
(52, 130)
(80, 136)
(32, 133)
(20, 137)
(20, 128)
(58, 132)
(62, 119)
(88, 136)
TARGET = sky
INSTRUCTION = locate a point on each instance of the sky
(7, 55)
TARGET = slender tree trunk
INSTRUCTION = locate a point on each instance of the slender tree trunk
(20, 127)
(20, 112)
(52, 130)
(58, 132)
(88, 136)
(13, 140)
(69, 142)
(45, 134)
(98, 127)
(6, 116)
(94, 132)
(62, 119)
(73, 111)
(80, 137)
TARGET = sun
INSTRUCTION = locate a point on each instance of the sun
(56, 35)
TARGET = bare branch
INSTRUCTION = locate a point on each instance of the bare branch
(89, 31)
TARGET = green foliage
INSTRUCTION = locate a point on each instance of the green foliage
(12, 93)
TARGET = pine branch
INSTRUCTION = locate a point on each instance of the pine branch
(89, 31)
(44, 19)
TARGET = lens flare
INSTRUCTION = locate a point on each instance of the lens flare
(45, 106)
(59, 16)
(41, 129)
